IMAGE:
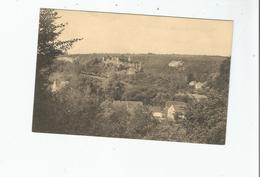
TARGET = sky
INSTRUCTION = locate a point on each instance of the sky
(126, 33)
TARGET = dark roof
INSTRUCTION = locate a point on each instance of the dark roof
(179, 103)
(155, 108)
(198, 97)
(130, 104)
(195, 96)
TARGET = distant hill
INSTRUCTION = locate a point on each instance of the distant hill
(157, 64)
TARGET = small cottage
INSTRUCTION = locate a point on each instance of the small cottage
(58, 85)
(131, 71)
(66, 59)
(156, 111)
(175, 63)
(174, 108)
(197, 85)
(192, 83)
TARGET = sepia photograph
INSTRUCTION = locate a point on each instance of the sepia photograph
(132, 76)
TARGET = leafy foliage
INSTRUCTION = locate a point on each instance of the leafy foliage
(85, 105)
(49, 31)
(118, 121)
(206, 120)
(222, 81)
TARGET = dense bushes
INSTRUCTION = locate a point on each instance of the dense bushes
(206, 121)
(117, 121)
(85, 107)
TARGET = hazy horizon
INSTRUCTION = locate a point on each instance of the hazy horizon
(142, 34)
(149, 53)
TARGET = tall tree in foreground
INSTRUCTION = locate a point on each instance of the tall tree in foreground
(49, 30)
(49, 46)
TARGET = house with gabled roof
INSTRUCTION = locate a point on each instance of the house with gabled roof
(174, 108)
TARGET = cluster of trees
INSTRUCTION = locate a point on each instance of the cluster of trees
(152, 89)
(49, 46)
(117, 121)
(82, 107)
(85, 107)
(206, 120)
